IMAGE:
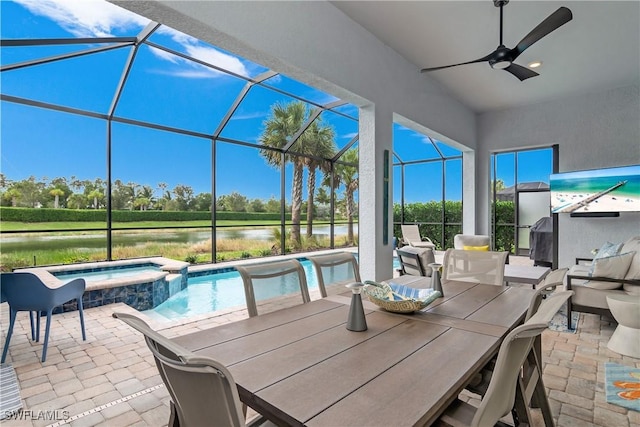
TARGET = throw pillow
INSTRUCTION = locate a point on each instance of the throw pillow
(607, 250)
(613, 267)
(476, 248)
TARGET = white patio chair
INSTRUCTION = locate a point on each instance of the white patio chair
(202, 390)
(335, 268)
(471, 240)
(485, 267)
(411, 236)
(272, 280)
(506, 391)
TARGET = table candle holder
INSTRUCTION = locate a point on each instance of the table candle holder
(357, 321)
(436, 285)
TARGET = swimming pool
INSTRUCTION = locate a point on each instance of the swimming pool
(108, 274)
(224, 289)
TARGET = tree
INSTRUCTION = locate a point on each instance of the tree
(285, 120)
(256, 205)
(122, 195)
(272, 205)
(183, 197)
(322, 196)
(202, 202)
(347, 175)
(77, 200)
(96, 195)
(234, 202)
(56, 193)
(317, 141)
(12, 194)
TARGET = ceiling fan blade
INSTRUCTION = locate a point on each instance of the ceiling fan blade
(552, 23)
(486, 58)
(522, 73)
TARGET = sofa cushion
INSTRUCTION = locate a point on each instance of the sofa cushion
(613, 267)
(633, 245)
(631, 289)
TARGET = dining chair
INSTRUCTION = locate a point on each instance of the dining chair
(411, 236)
(506, 392)
(271, 280)
(415, 261)
(26, 292)
(203, 391)
(333, 268)
(475, 241)
(485, 267)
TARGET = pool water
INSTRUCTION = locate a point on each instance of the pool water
(94, 276)
(220, 290)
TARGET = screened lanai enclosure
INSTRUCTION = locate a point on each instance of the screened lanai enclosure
(123, 138)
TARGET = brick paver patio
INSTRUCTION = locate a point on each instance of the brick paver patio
(111, 379)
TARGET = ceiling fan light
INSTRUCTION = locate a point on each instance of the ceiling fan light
(535, 64)
(500, 65)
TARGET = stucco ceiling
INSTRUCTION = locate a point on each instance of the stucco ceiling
(598, 49)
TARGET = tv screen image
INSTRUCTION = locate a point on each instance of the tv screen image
(601, 190)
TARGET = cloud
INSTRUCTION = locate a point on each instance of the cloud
(87, 18)
(99, 18)
(249, 116)
(205, 53)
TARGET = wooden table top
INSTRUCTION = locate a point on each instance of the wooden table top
(525, 273)
(301, 366)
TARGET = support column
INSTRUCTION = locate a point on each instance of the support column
(469, 216)
(376, 258)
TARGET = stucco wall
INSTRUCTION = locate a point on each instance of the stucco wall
(593, 130)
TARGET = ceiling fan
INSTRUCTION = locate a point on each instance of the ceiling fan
(502, 58)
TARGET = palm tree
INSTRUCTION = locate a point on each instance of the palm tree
(347, 175)
(317, 140)
(284, 122)
(56, 193)
(95, 195)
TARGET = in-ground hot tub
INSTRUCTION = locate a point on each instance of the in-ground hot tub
(142, 283)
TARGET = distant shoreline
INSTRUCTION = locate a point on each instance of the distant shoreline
(606, 203)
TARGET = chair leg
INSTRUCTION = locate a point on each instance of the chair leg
(46, 336)
(12, 321)
(84, 335)
(38, 315)
(33, 330)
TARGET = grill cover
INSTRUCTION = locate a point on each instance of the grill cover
(541, 242)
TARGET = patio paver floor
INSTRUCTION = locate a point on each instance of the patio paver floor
(111, 379)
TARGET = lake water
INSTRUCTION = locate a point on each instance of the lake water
(97, 240)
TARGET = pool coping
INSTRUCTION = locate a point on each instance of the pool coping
(167, 265)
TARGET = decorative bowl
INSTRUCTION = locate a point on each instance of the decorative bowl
(399, 298)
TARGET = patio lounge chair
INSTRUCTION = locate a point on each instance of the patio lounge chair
(506, 382)
(26, 292)
(335, 268)
(415, 261)
(411, 236)
(203, 391)
(474, 266)
(261, 279)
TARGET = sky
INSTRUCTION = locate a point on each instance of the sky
(166, 89)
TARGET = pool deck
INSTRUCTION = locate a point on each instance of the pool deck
(111, 379)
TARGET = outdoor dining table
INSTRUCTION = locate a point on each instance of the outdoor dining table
(301, 366)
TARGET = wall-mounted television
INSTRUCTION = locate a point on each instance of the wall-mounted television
(590, 192)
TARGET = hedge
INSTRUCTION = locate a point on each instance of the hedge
(100, 215)
(431, 212)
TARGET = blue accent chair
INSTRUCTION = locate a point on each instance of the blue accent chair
(26, 292)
